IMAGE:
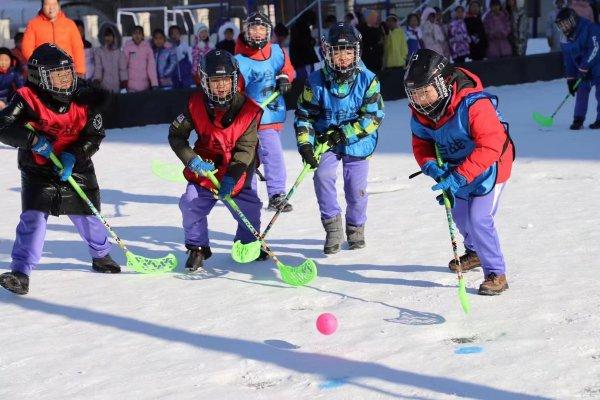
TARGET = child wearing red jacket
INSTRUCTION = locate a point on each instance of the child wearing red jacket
(451, 110)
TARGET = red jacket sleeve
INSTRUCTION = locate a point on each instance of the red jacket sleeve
(489, 136)
(288, 69)
(423, 150)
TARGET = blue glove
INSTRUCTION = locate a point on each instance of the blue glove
(431, 169)
(68, 161)
(43, 147)
(227, 184)
(198, 166)
(451, 183)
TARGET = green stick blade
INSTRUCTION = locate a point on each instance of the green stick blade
(301, 275)
(168, 172)
(462, 296)
(145, 265)
(245, 253)
(542, 119)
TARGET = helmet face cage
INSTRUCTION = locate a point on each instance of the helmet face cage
(41, 76)
(261, 43)
(567, 26)
(223, 101)
(416, 96)
(328, 51)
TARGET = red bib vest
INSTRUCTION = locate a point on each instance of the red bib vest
(216, 143)
(61, 129)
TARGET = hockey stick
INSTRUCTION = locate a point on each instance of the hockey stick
(245, 253)
(462, 290)
(300, 275)
(415, 174)
(549, 121)
(137, 263)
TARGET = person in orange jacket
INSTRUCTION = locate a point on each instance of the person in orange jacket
(51, 25)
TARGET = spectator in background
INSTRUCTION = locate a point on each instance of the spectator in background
(88, 51)
(10, 76)
(228, 34)
(281, 34)
(182, 77)
(497, 30)
(329, 22)
(583, 9)
(141, 67)
(554, 34)
(165, 58)
(476, 30)
(302, 45)
(351, 19)
(458, 36)
(439, 19)
(110, 65)
(201, 47)
(18, 53)
(519, 26)
(413, 34)
(433, 35)
(51, 25)
(372, 41)
(395, 48)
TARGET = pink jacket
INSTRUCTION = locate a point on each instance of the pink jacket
(141, 67)
(583, 9)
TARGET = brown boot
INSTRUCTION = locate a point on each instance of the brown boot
(468, 261)
(493, 285)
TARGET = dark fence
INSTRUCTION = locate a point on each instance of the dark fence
(160, 107)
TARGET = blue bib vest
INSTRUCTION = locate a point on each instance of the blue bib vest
(260, 82)
(337, 111)
(455, 144)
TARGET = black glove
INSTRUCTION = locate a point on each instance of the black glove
(572, 84)
(333, 137)
(307, 151)
(283, 84)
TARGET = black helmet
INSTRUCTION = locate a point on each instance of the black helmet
(257, 19)
(341, 37)
(566, 20)
(427, 68)
(50, 69)
(219, 64)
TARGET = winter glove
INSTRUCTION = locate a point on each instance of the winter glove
(42, 147)
(451, 183)
(333, 137)
(68, 162)
(198, 166)
(307, 151)
(440, 199)
(584, 74)
(283, 84)
(227, 184)
(431, 169)
(572, 85)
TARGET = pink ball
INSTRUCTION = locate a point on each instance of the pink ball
(327, 323)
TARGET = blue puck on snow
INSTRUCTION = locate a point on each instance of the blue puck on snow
(468, 350)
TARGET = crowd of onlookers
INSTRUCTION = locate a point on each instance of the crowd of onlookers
(474, 31)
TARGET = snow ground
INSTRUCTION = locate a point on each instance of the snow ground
(242, 334)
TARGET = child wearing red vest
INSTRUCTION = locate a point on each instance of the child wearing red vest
(65, 120)
(226, 122)
(450, 110)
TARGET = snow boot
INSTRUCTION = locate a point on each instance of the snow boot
(105, 265)
(493, 285)
(16, 282)
(468, 261)
(356, 236)
(335, 234)
(196, 257)
(278, 201)
(577, 124)
(595, 125)
(263, 256)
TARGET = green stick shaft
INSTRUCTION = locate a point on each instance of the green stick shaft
(269, 99)
(87, 201)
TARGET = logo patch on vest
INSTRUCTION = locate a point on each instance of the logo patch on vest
(97, 123)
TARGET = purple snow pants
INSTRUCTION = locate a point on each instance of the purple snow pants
(270, 154)
(31, 233)
(355, 171)
(475, 221)
(196, 203)
(582, 98)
